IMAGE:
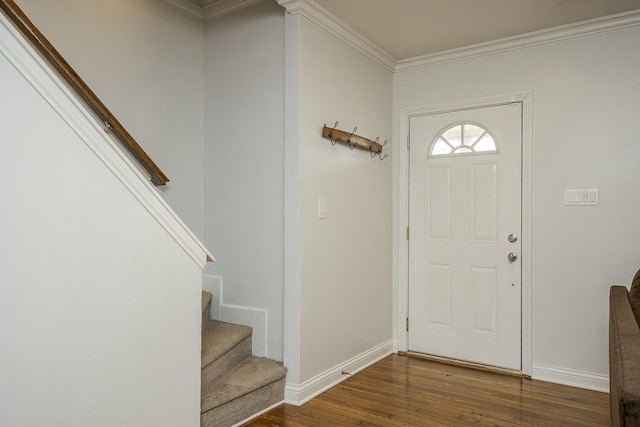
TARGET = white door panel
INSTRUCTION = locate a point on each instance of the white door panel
(464, 294)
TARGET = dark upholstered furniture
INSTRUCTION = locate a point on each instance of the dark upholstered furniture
(624, 354)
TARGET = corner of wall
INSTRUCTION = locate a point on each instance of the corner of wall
(298, 394)
(255, 318)
(213, 285)
(571, 377)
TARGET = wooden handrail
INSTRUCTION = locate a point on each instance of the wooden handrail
(55, 60)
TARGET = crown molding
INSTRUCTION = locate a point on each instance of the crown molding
(563, 32)
(315, 13)
(188, 7)
(225, 7)
(213, 10)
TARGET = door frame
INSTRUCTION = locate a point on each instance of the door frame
(401, 212)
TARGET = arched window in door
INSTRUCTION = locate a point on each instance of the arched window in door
(463, 138)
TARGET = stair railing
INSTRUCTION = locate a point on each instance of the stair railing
(56, 61)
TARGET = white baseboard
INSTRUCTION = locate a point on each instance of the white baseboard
(298, 394)
(255, 318)
(571, 377)
(254, 416)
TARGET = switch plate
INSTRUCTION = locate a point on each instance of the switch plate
(322, 208)
(581, 197)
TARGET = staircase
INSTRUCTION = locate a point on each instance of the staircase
(235, 384)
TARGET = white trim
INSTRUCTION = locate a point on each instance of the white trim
(188, 7)
(213, 10)
(335, 26)
(225, 7)
(571, 377)
(401, 212)
(338, 28)
(256, 415)
(292, 220)
(400, 221)
(298, 394)
(29, 64)
(535, 38)
(527, 231)
(315, 13)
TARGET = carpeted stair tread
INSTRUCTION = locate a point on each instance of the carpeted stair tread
(249, 375)
(235, 385)
(220, 337)
(244, 407)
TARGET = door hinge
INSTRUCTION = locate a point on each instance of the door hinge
(407, 324)
(407, 232)
(408, 142)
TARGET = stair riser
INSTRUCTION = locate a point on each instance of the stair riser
(245, 406)
(206, 309)
(205, 316)
(224, 363)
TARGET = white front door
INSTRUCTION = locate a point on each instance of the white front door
(465, 228)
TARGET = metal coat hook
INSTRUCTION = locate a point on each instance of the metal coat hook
(371, 152)
(352, 146)
(379, 153)
(331, 138)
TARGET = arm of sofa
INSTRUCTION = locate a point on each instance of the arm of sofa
(624, 359)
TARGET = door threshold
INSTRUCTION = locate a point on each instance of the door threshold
(465, 364)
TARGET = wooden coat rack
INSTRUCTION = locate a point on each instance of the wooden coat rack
(353, 140)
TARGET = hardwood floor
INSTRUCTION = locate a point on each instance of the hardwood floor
(408, 391)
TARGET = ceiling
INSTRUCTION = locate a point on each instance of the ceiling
(412, 28)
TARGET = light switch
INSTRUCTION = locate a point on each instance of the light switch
(322, 208)
(568, 197)
(587, 197)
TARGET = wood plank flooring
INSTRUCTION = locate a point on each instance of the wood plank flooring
(408, 391)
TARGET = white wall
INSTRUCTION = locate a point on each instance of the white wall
(585, 109)
(99, 306)
(145, 60)
(342, 297)
(245, 157)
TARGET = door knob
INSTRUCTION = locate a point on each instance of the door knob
(512, 257)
